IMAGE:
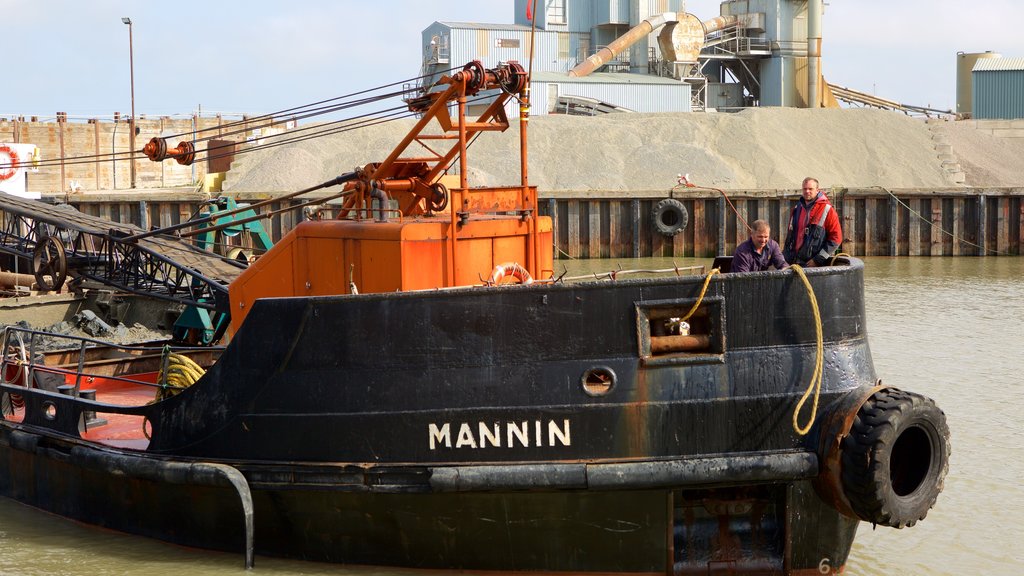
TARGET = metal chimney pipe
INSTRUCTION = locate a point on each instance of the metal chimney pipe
(814, 53)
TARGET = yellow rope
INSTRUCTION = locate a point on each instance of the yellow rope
(815, 383)
(700, 298)
(838, 254)
(177, 372)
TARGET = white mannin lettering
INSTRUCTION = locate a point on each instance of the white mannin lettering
(465, 437)
(485, 435)
(522, 433)
(489, 434)
(443, 435)
(563, 434)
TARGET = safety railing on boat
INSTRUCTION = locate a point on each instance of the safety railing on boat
(30, 357)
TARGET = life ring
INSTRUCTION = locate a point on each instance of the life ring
(511, 269)
(895, 458)
(669, 217)
(12, 165)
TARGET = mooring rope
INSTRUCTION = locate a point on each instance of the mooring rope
(816, 377)
(703, 290)
(177, 372)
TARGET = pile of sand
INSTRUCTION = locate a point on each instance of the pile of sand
(758, 148)
(985, 159)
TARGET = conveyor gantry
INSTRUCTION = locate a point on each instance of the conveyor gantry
(59, 240)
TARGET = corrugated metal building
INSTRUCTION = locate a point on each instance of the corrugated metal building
(554, 92)
(998, 89)
(449, 45)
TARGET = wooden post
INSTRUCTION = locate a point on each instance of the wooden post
(1020, 235)
(720, 246)
(982, 249)
(594, 234)
(894, 228)
(914, 228)
(143, 215)
(615, 228)
(1003, 225)
(573, 227)
(552, 211)
(849, 225)
(634, 209)
(959, 245)
(700, 229)
(96, 149)
(679, 240)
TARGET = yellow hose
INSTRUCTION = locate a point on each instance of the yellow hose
(815, 383)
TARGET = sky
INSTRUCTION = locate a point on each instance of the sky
(254, 57)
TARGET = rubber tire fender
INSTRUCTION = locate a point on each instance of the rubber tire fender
(669, 217)
(895, 458)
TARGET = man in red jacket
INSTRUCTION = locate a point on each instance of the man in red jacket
(814, 231)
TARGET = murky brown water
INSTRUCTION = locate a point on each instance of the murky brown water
(950, 328)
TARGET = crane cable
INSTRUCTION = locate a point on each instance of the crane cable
(280, 139)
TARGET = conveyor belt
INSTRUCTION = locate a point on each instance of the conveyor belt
(161, 266)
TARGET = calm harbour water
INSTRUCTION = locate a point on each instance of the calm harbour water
(949, 328)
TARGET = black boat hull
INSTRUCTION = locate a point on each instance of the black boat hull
(467, 429)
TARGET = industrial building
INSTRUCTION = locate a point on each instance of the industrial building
(598, 56)
(997, 89)
(592, 56)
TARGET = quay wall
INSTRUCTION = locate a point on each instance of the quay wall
(592, 224)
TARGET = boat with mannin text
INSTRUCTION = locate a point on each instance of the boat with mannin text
(386, 398)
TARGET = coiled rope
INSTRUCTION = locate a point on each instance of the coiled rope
(815, 383)
(177, 372)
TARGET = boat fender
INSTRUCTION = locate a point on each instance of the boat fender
(12, 162)
(512, 269)
(669, 217)
(893, 458)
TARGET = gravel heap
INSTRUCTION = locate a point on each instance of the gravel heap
(758, 148)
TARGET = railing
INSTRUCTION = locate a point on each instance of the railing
(77, 359)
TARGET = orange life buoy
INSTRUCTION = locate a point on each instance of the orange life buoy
(512, 269)
(12, 166)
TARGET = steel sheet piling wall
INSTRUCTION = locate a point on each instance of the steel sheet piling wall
(958, 222)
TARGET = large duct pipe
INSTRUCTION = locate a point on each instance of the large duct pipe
(813, 53)
(717, 23)
(602, 56)
(622, 42)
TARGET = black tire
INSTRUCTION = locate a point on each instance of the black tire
(669, 217)
(895, 458)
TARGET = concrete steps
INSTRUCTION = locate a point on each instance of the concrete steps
(945, 153)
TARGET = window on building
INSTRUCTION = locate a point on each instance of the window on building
(556, 12)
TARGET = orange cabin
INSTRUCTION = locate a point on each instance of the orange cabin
(327, 257)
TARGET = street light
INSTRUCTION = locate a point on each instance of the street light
(131, 121)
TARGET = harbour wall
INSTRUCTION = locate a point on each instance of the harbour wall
(594, 224)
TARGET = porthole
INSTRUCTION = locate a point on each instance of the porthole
(598, 381)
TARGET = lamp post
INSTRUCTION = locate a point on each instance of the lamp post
(131, 121)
